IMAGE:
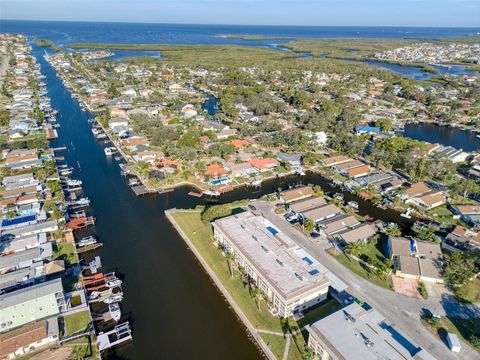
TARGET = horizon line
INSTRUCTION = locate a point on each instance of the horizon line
(265, 25)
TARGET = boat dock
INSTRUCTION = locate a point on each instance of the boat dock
(87, 248)
(121, 333)
(140, 190)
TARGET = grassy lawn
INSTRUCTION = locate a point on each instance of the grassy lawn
(466, 329)
(275, 343)
(362, 270)
(201, 236)
(75, 323)
(297, 346)
(83, 348)
(66, 251)
(472, 293)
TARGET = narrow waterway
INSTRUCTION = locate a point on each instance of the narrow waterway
(174, 310)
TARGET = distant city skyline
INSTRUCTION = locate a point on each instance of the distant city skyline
(421, 13)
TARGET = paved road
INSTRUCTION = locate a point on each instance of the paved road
(402, 311)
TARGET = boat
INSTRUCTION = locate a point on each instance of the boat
(353, 205)
(108, 151)
(88, 240)
(338, 196)
(101, 136)
(114, 310)
(478, 136)
(133, 182)
(113, 299)
(407, 213)
(111, 280)
(95, 131)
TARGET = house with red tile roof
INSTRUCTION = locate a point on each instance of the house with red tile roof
(263, 164)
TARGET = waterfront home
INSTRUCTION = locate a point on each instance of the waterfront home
(241, 169)
(454, 155)
(295, 160)
(133, 142)
(19, 200)
(288, 276)
(306, 204)
(148, 156)
(361, 332)
(297, 193)
(212, 126)
(382, 181)
(415, 259)
(338, 224)
(468, 213)
(321, 213)
(355, 234)
(263, 164)
(168, 166)
(357, 171)
(421, 195)
(34, 303)
(29, 338)
(118, 121)
(461, 239)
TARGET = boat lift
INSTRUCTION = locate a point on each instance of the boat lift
(119, 334)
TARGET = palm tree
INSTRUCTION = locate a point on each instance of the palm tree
(352, 249)
(230, 258)
(393, 230)
(256, 293)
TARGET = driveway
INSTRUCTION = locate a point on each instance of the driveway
(402, 311)
(407, 287)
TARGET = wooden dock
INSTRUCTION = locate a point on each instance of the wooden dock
(87, 248)
(140, 190)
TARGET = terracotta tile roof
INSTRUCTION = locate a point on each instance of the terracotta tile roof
(297, 193)
(26, 335)
(263, 164)
(417, 189)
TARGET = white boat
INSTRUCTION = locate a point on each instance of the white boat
(353, 205)
(133, 182)
(108, 151)
(407, 213)
(478, 136)
(89, 240)
(114, 310)
(95, 131)
(112, 281)
(101, 136)
(113, 298)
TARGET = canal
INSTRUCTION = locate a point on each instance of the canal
(172, 305)
(443, 135)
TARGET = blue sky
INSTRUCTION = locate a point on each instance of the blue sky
(448, 13)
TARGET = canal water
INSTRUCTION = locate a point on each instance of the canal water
(444, 135)
(172, 305)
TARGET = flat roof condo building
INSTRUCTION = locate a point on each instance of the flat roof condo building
(356, 332)
(286, 273)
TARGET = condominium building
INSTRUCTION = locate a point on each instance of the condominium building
(361, 332)
(290, 278)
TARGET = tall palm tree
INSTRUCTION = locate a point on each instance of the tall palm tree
(256, 293)
(393, 230)
(352, 249)
(230, 259)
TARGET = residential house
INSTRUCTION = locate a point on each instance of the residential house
(297, 193)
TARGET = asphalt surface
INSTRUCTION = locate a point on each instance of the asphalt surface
(401, 311)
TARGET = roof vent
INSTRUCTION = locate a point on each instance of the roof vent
(299, 277)
(279, 262)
